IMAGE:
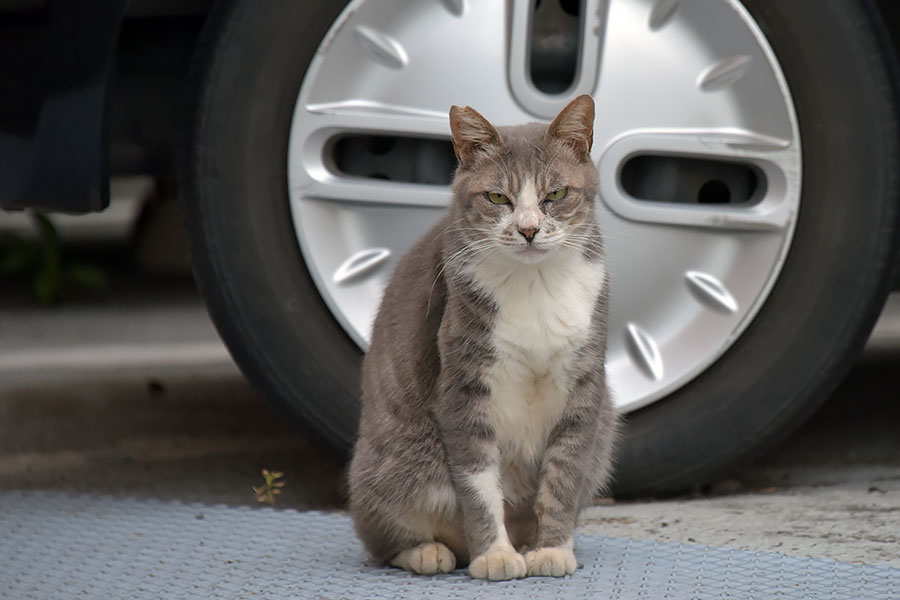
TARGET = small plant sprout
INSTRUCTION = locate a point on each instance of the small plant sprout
(42, 262)
(266, 493)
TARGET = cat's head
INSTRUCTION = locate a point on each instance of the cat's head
(526, 190)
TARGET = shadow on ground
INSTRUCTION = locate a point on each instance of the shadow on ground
(188, 439)
(207, 439)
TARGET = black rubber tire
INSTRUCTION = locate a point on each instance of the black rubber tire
(246, 75)
(840, 69)
(838, 65)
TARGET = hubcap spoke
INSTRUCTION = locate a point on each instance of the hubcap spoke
(368, 191)
(414, 58)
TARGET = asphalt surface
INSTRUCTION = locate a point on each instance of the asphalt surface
(134, 397)
(832, 491)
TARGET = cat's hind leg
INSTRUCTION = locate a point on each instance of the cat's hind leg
(445, 546)
(427, 558)
(521, 525)
(410, 522)
(411, 539)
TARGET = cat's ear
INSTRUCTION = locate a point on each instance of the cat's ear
(471, 132)
(574, 125)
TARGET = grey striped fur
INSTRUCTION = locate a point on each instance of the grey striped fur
(430, 445)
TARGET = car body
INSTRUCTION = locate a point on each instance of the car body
(94, 88)
(90, 89)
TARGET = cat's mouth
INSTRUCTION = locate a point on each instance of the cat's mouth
(531, 253)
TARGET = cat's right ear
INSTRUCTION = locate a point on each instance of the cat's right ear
(471, 133)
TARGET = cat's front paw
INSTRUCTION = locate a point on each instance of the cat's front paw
(498, 564)
(426, 559)
(550, 562)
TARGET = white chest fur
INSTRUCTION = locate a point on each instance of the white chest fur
(544, 314)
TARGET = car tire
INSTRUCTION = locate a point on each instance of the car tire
(838, 65)
(246, 260)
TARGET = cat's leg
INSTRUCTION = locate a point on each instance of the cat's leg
(481, 496)
(441, 555)
(568, 480)
(405, 521)
(521, 524)
(428, 558)
(474, 463)
(469, 436)
(405, 542)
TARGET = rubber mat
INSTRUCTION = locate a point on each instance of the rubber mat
(57, 546)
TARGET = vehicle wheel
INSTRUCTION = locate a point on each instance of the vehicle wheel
(748, 160)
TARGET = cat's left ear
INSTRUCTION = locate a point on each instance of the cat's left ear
(574, 125)
(471, 133)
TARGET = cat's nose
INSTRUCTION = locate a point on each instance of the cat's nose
(528, 234)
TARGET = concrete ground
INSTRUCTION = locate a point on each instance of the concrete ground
(832, 491)
(202, 435)
(134, 396)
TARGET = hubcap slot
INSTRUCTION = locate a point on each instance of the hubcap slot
(555, 39)
(406, 159)
(686, 180)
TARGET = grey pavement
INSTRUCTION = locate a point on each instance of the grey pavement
(137, 548)
(832, 491)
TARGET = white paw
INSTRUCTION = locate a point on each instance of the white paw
(550, 562)
(426, 559)
(498, 564)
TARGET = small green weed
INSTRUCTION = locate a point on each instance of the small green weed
(42, 263)
(272, 487)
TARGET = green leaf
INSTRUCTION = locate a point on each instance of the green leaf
(18, 254)
(16, 261)
(8, 238)
(45, 286)
(51, 250)
(86, 276)
(48, 231)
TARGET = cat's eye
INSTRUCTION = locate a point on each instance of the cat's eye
(556, 195)
(498, 198)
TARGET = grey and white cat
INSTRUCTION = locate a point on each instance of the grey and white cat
(486, 421)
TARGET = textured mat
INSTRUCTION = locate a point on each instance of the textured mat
(57, 546)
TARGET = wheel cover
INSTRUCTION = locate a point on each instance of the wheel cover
(688, 79)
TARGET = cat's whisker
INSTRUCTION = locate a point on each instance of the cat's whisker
(451, 227)
(451, 261)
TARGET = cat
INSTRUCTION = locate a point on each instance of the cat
(486, 421)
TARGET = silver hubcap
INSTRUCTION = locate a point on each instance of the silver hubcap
(691, 105)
